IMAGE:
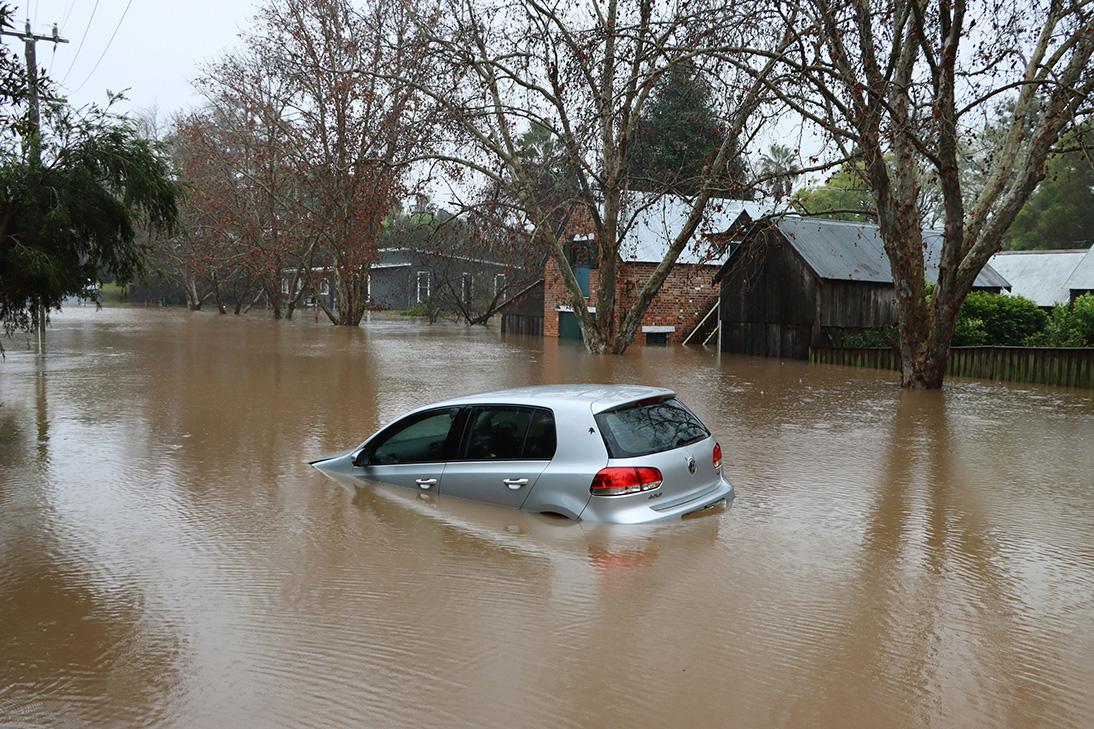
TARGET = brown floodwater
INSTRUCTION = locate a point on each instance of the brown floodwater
(168, 558)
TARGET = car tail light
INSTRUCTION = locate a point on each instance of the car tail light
(717, 455)
(628, 480)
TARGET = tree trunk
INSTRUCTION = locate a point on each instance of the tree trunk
(193, 299)
(349, 299)
(216, 296)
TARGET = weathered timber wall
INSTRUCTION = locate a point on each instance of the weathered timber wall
(1063, 366)
(522, 324)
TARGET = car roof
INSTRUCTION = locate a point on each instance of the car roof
(598, 397)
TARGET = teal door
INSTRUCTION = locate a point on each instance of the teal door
(568, 328)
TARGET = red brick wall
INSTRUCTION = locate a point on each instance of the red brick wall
(686, 295)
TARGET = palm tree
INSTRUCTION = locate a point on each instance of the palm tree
(779, 168)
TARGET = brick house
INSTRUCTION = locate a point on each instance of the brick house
(688, 294)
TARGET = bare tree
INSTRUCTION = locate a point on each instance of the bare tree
(585, 73)
(899, 84)
(352, 127)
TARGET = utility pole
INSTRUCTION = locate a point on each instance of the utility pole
(34, 143)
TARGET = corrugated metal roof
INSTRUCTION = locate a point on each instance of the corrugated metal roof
(1082, 278)
(656, 223)
(845, 251)
(1040, 276)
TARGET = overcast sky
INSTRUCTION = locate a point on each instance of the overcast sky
(156, 51)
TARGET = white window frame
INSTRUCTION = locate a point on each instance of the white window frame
(368, 288)
(285, 286)
(324, 287)
(504, 283)
(419, 280)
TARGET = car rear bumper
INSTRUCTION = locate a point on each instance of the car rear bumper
(640, 508)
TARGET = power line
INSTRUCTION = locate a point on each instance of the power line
(82, 39)
(68, 12)
(101, 55)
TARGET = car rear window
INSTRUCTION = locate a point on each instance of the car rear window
(649, 427)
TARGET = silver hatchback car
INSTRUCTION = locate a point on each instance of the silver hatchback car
(624, 454)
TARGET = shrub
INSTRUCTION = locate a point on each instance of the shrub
(1082, 317)
(1068, 326)
(969, 332)
(873, 337)
(1002, 320)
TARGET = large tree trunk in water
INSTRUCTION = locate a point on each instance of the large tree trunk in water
(926, 331)
(350, 299)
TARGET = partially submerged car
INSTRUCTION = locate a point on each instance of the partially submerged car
(612, 453)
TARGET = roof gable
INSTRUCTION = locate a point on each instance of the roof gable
(845, 251)
(1082, 278)
(1041, 276)
(657, 220)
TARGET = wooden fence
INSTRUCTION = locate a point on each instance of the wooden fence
(1064, 366)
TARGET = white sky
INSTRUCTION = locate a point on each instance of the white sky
(157, 50)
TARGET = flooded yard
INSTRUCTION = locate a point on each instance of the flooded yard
(168, 558)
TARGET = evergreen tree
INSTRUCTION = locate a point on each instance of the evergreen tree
(1060, 213)
(678, 135)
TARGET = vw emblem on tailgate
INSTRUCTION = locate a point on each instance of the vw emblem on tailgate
(691, 465)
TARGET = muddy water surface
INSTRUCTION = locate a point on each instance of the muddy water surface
(167, 558)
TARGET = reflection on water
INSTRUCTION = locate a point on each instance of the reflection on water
(168, 558)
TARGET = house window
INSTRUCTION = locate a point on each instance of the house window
(465, 288)
(368, 289)
(324, 287)
(659, 338)
(285, 286)
(499, 283)
(423, 286)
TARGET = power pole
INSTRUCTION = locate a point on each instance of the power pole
(34, 143)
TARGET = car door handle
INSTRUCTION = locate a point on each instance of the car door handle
(426, 482)
(514, 483)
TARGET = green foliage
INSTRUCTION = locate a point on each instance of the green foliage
(678, 135)
(1082, 314)
(998, 320)
(1068, 326)
(873, 337)
(71, 218)
(838, 198)
(969, 332)
(1060, 213)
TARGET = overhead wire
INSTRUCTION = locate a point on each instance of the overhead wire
(68, 13)
(82, 39)
(108, 43)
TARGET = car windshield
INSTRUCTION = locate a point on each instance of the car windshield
(649, 427)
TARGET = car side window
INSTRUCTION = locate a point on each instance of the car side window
(541, 440)
(496, 433)
(420, 439)
(499, 433)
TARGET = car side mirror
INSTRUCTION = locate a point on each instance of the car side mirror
(363, 458)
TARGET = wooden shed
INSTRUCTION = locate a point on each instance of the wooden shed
(792, 283)
(522, 313)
